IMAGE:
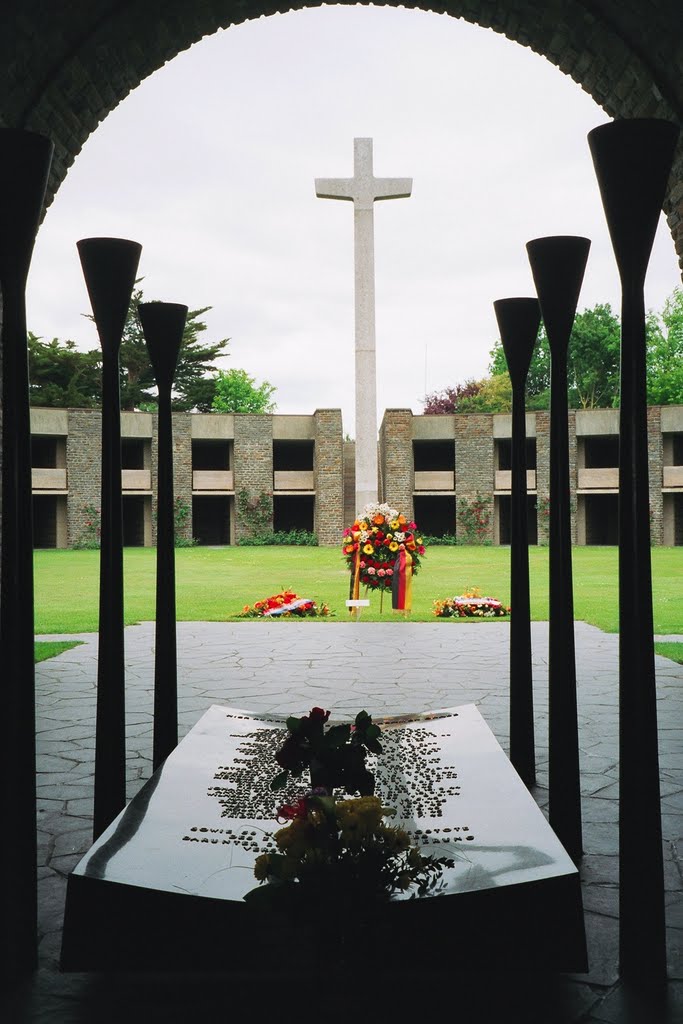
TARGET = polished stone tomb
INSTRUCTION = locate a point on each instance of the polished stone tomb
(162, 887)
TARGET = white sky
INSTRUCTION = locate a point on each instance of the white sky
(211, 162)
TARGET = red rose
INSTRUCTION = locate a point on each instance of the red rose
(319, 715)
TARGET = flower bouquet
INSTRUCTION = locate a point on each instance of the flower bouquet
(470, 605)
(335, 756)
(337, 849)
(284, 605)
(342, 848)
(372, 544)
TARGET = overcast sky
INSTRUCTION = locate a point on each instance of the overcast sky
(211, 162)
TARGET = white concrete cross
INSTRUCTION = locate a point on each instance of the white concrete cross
(363, 190)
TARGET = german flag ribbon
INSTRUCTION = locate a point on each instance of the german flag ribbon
(402, 582)
(355, 579)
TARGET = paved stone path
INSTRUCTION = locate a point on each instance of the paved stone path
(393, 667)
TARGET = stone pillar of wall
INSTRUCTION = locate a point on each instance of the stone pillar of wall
(83, 469)
(573, 473)
(655, 462)
(329, 476)
(542, 475)
(182, 466)
(253, 463)
(349, 482)
(396, 460)
(474, 464)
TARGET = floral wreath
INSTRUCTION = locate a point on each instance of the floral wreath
(374, 542)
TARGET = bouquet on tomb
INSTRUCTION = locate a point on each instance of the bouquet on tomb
(341, 849)
(378, 543)
(334, 755)
(284, 605)
(337, 847)
(470, 605)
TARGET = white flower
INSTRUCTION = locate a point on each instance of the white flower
(399, 537)
(364, 534)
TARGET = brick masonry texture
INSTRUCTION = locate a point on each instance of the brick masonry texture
(253, 465)
(83, 468)
(474, 462)
(66, 66)
(396, 460)
(253, 462)
(329, 476)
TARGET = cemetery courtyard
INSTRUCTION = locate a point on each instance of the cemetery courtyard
(387, 666)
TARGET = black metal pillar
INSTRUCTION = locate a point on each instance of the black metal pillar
(163, 324)
(109, 267)
(518, 322)
(24, 166)
(632, 162)
(558, 265)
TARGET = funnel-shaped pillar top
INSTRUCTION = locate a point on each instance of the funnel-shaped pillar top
(632, 160)
(518, 322)
(558, 263)
(110, 266)
(163, 324)
(25, 160)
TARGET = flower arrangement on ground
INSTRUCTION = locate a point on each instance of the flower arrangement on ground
(373, 544)
(282, 605)
(337, 848)
(470, 605)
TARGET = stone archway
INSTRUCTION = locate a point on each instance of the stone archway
(64, 70)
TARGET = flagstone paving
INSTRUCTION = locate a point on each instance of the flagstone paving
(285, 667)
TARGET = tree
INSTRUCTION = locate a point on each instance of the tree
(194, 382)
(665, 355)
(494, 395)
(61, 375)
(236, 391)
(592, 362)
(440, 403)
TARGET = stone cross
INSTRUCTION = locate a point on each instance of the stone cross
(362, 190)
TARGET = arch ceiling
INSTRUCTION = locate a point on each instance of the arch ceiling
(66, 66)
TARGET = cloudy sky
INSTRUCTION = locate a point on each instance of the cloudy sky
(211, 162)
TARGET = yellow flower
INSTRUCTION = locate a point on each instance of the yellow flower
(294, 839)
(393, 546)
(394, 524)
(368, 549)
(362, 526)
(262, 867)
(419, 540)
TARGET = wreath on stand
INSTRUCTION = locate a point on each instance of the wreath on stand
(382, 549)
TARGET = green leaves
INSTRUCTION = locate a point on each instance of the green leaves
(236, 391)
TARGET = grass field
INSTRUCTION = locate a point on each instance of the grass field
(213, 584)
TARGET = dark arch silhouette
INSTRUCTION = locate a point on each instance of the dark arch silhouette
(65, 67)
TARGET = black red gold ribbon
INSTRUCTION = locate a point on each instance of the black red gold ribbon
(402, 582)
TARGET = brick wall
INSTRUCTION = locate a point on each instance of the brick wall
(655, 458)
(83, 468)
(253, 462)
(396, 460)
(474, 462)
(542, 472)
(329, 476)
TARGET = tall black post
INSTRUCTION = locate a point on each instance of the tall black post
(632, 162)
(24, 166)
(109, 267)
(518, 322)
(558, 265)
(163, 324)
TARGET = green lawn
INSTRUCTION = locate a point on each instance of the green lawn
(213, 584)
(45, 649)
